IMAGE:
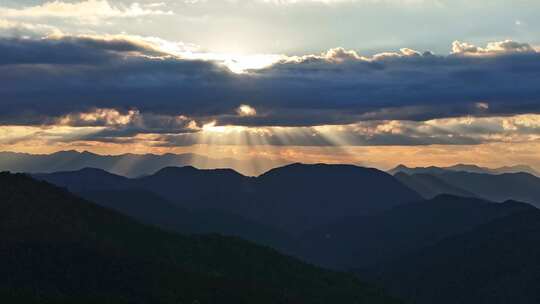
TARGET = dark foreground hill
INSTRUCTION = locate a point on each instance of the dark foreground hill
(496, 263)
(361, 242)
(149, 208)
(58, 248)
(293, 199)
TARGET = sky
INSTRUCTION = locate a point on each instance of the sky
(371, 82)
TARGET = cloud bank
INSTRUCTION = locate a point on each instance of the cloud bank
(133, 90)
(58, 75)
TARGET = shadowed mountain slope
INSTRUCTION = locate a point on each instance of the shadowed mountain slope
(56, 247)
(495, 263)
(149, 208)
(360, 242)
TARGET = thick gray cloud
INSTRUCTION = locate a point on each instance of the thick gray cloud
(43, 79)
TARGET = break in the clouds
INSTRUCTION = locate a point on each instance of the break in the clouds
(291, 26)
(48, 78)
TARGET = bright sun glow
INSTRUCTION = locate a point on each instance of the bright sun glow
(212, 127)
(246, 110)
(237, 63)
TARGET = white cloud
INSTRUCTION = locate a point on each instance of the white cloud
(328, 2)
(499, 47)
(105, 117)
(340, 55)
(87, 11)
(156, 4)
(9, 28)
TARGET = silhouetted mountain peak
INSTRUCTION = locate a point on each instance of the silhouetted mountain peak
(400, 167)
(190, 170)
(175, 170)
(84, 172)
(85, 179)
(92, 170)
(515, 202)
(466, 167)
(317, 170)
(87, 153)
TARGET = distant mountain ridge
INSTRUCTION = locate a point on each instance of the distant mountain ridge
(131, 165)
(464, 168)
(520, 186)
(430, 185)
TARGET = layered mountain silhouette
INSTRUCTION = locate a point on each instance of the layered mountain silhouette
(495, 187)
(149, 208)
(361, 242)
(58, 248)
(293, 199)
(464, 168)
(429, 186)
(132, 165)
(496, 262)
(439, 236)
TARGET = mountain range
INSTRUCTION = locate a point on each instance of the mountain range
(440, 237)
(293, 198)
(495, 187)
(464, 168)
(58, 248)
(431, 185)
(132, 165)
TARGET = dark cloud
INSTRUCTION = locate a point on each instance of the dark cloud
(65, 51)
(49, 78)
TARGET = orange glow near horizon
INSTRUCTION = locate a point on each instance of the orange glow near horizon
(502, 141)
(382, 157)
